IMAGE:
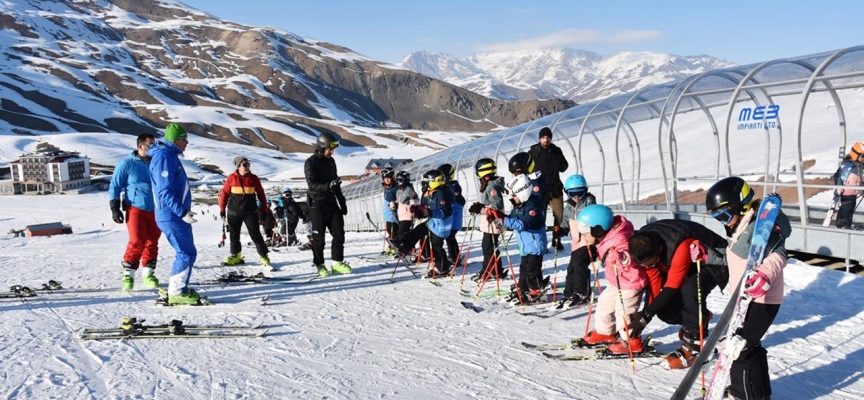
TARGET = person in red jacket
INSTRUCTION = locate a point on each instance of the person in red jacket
(240, 200)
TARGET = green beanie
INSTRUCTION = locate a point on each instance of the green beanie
(174, 132)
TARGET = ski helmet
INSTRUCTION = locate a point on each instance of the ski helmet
(595, 219)
(448, 171)
(856, 151)
(727, 197)
(386, 173)
(575, 186)
(326, 140)
(432, 179)
(485, 167)
(286, 191)
(403, 178)
(521, 163)
(521, 187)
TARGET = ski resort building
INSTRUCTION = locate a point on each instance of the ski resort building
(50, 170)
(650, 154)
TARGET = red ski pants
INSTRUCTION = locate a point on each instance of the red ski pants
(143, 236)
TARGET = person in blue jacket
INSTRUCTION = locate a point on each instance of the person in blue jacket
(528, 220)
(174, 211)
(132, 178)
(435, 207)
(391, 221)
(458, 204)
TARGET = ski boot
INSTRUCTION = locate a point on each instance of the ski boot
(190, 298)
(624, 347)
(234, 259)
(150, 281)
(686, 355)
(573, 301)
(265, 262)
(341, 267)
(322, 270)
(306, 246)
(128, 283)
(594, 339)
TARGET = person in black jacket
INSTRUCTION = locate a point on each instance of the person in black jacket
(326, 204)
(549, 159)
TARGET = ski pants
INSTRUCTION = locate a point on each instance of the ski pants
(144, 236)
(749, 372)
(333, 221)
(685, 309)
(609, 316)
(453, 246)
(530, 273)
(404, 228)
(179, 235)
(846, 211)
(251, 222)
(392, 229)
(490, 252)
(433, 246)
(578, 273)
(557, 205)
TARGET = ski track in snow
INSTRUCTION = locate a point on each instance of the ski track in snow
(352, 337)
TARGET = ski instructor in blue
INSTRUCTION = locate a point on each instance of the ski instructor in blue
(174, 210)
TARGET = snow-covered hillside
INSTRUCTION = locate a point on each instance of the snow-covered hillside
(351, 337)
(577, 75)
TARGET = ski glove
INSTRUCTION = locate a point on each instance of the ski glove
(638, 322)
(756, 284)
(222, 214)
(187, 217)
(392, 206)
(476, 208)
(116, 214)
(615, 257)
(562, 231)
(698, 252)
(426, 212)
(335, 184)
(493, 214)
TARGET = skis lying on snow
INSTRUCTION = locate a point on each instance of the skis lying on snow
(735, 311)
(259, 278)
(52, 287)
(601, 351)
(575, 344)
(135, 329)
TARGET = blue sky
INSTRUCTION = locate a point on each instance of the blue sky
(739, 31)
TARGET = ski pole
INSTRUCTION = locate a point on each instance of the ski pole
(222, 242)
(513, 274)
(369, 218)
(462, 246)
(467, 252)
(555, 268)
(623, 313)
(591, 286)
(702, 390)
(487, 273)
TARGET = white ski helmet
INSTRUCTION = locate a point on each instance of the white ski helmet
(521, 187)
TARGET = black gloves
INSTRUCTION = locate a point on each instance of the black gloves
(335, 184)
(476, 208)
(116, 214)
(344, 210)
(426, 212)
(638, 321)
(222, 214)
(562, 231)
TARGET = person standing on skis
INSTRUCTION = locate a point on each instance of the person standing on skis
(391, 221)
(292, 215)
(436, 208)
(327, 206)
(578, 272)
(491, 198)
(550, 159)
(132, 177)
(458, 204)
(238, 204)
(406, 197)
(173, 202)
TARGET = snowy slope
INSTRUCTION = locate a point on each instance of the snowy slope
(351, 337)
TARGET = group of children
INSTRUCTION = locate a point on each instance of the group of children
(664, 268)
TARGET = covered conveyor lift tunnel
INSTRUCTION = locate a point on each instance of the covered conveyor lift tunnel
(650, 154)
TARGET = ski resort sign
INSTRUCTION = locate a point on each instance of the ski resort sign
(761, 117)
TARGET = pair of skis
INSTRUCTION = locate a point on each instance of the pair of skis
(601, 351)
(131, 328)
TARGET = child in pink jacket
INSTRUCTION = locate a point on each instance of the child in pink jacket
(626, 279)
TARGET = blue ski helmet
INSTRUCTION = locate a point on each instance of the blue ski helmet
(596, 219)
(576, 186)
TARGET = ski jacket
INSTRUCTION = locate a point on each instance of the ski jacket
(320, 171)
(132, 175)
(406, 197)
(293, 211)
(853, 171)
(172, 198)
(492, 197)
(440, 223)
(458, 204)
(552, 162)
(302, 210)
(631, 275)
(571, 211)
(775, 258)
(540, 190)
(242, 194)
(667, 277)
(389, 196)
(529, 223)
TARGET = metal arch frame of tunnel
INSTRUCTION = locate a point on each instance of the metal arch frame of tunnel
(802, 204)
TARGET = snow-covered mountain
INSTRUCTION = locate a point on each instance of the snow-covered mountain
(564, 73)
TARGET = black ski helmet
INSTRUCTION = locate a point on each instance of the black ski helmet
(326, 140)
(448, 171)
(732, 192)
(522, 163)
(403, 178)
(485, 167)
(386, 173)
(432, 179)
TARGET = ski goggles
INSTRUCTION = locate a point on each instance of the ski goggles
(332, 145)
(723, 215)
(576, 193)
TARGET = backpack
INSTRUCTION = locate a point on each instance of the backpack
(842, 174)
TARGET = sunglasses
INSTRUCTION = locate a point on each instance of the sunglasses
(246, 164)
(576, 193)
(723, 215)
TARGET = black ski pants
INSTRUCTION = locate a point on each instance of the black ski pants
(490, 252)
(251, 221)
(392, 229)
(846, 211)
(434, 246)
(578, 273)
(684, 310)
(749, 372)
(453, 246)
(530, 273)
(332, 221)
